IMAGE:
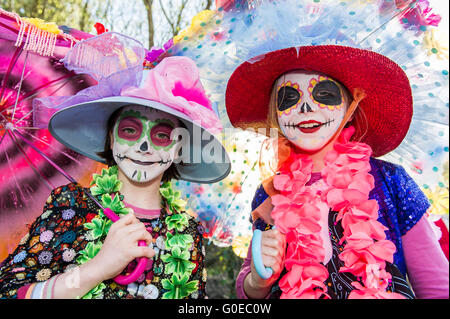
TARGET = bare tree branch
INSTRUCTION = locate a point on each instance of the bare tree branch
(84, 16)
(151, 28)
(167, 18)
(208, 5)
(180, 13)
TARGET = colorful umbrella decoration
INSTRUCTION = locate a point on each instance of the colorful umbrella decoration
(30, 67)
(238, 30)
(223, 207)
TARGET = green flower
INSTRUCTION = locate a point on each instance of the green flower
(178, 262)
(98, 227)
(178, 287)
(89, 252)
(177, 221)
(112, 171)
(172, 197)
(94, 292)
(182, 241)
(115, 204)
(106, 184)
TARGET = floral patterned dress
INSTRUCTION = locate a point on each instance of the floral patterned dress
(58, 234)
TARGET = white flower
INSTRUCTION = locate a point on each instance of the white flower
(160, 242)
(24, 239)
(194, 295)
(68, 214)
(132, 288)
(150, 292)
(46, 236)
(88, 236)
(68, 255)
(43, 274)
(46, 214)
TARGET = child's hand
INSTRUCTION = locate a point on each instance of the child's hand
(121, 247)
(273, 248)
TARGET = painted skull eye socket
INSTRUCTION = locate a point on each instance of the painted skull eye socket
(160, 134)
(130, 128)
(287, 97)
(327, 92)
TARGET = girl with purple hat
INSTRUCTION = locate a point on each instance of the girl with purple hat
(143, 125)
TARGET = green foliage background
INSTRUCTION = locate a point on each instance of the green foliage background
(223, 266)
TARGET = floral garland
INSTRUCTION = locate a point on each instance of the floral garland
(297, 212)
(176, 260)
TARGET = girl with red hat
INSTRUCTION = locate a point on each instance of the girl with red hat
(330, 199)
(347, 225)
(338, 80)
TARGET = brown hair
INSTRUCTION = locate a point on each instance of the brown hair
(107, 155)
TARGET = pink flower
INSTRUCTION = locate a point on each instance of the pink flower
(301, 247)
(366, 210)
(372, 228)
(363, 182)
(282, 182)
(370, 293)
(303, 280)
(342, 199)
(285, 218)
(297, 213)
(340, 179)
(181, 91)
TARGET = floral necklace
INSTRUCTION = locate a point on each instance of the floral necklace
(297, 212)
(177, 263)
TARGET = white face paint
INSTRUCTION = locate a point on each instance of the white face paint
(310, 108)
(142, 145)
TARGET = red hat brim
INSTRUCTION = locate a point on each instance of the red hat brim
(387, 105)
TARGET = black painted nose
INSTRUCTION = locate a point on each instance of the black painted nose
(305, 108)
(144, 147)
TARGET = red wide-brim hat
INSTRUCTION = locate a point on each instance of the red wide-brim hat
(388, 104)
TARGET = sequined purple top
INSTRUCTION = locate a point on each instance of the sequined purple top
(401, 203)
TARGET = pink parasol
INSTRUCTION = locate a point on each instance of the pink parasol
(30, 67)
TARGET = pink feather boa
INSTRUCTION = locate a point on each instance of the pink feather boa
(297, 211)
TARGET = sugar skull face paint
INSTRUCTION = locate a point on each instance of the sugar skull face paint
(142, 146)
(309, 120)
(289, 97)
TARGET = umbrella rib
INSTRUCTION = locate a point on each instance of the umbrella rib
(23, 117)
(59, 169)
(64, 173)
(383, 24)
(3, 137)
(20, 86)
(10, 67)
(14, 175)
(33, 93)
(49, 145)
(35, 169)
